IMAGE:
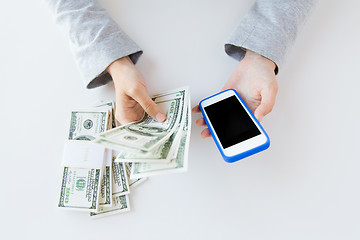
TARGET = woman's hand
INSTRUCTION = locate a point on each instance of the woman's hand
(132, 99)
(254, 79)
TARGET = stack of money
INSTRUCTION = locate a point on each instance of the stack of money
(91, 181)
(102, 162)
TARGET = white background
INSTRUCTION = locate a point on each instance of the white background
(306, 186)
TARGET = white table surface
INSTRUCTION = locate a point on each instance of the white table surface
(306, 186)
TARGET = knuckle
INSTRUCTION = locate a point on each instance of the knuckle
(133, 91)
(147, 106)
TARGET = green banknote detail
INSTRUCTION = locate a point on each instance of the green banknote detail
(105, 192)
(120, 181)
(85, 125)
(79, 188)
(121, 204)
(147, 134)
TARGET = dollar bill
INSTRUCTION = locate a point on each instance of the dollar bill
(116, 146)
(82, 170)
(110, 106)
(99, 180)
(85, 125)
(147, 134)
(177, 164)
(121, 204)
(80, 188)
(161, 154)
(106, 181)
(133, 182)
(120, 179)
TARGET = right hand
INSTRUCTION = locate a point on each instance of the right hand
(254, 79)
(132, 99)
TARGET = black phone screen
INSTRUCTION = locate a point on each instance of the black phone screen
(231, 122)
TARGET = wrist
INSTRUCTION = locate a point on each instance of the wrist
(119, 65)
(120, 68)
(253, 57)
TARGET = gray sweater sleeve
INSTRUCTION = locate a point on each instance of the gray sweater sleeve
(95, 39)
(269, 28)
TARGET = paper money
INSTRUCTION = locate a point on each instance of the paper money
(177, 164)
(120, 179)
(83, 161)
(121, 204)
(135, 181)
(82, 169)
(147, 134)
(110, 106)
(106, 181)
(85, 125)
(161, 154)
(116, 146)
(98, 177)
(79, 189)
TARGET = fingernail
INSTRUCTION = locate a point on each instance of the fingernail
(160, 117)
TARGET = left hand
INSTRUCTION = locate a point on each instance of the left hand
(254, 79)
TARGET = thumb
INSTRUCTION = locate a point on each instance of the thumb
(267, 103)
(148, 105)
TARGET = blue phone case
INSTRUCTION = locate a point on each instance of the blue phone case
(239, 156)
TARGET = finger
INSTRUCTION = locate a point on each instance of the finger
(268, 97)
(124, 117)
(200, 122)
(140, 95)
(205, 133)
(127, 110)
(196, 109)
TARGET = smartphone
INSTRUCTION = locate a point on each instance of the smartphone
(234, 128)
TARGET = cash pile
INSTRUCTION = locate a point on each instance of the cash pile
(102, 163)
